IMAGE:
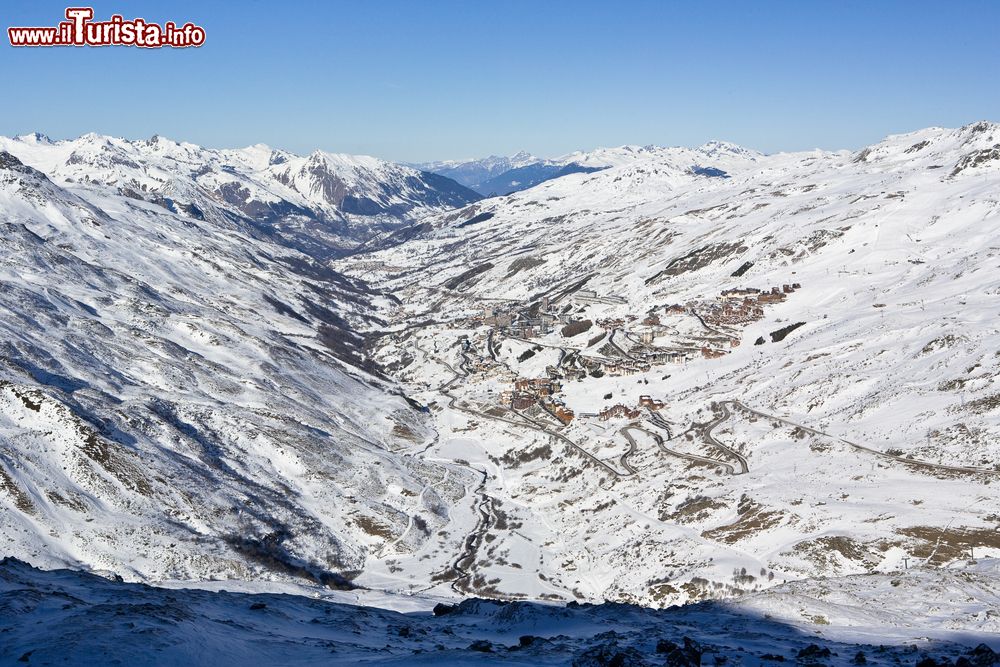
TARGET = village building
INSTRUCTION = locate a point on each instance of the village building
(658, 355)
(624, 367)
(559, 411)
(611, 323)
(738, 294)
(651, 403)
(564, 414)
(539, 386)
(522, 401)
(618, 411)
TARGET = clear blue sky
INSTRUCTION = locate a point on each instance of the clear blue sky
(430, 79)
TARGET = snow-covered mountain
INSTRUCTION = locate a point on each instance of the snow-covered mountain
(690, 374)
(181, 400)
(495, 175)
(714, 153)
(855, 427)
(321, 204)
(475, 172)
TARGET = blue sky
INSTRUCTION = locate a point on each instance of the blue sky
(432, 79)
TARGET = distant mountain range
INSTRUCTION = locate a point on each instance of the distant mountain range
(498, 175)
(473, 173)
(322, 204)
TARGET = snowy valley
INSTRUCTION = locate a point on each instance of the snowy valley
(762, 384)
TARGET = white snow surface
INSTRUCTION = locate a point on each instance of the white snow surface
(186, 396)
(58, 616)
(338, 199)
(896, 361)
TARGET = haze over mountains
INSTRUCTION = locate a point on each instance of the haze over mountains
(496, 175)
(652, 376)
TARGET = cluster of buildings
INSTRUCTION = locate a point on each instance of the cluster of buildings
(537, 386)
(558, 409)
(529, 392)
(662, 355)
(738, 306)
(590, 296)
(745, 305)
(541, 392)
(651, 403)
(519, 324)
(619, 367)
(618, 411)
(567, 372)
(610, 323)
(616, 366)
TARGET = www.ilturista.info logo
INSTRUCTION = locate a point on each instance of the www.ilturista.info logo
(80, 30)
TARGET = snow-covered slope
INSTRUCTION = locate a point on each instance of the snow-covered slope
(495, 175)
(720, 154)
(860, 433)
(475, 173)
(180, 400)
(63, 616)
(321, 203)
(188, 393)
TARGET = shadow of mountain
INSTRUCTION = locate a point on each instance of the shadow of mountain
(73, 617)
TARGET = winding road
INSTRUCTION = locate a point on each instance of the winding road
(711, 426)
(661, 444)
(485, 505)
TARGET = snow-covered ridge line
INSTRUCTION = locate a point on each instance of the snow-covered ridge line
(497, 175)
(184, 398)
(320, 203)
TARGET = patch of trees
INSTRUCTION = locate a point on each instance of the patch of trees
(467, 275)
(744, 267)
(482, 217)
(779, 335)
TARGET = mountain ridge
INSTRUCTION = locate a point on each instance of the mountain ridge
(336, 199)
(218, 402)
